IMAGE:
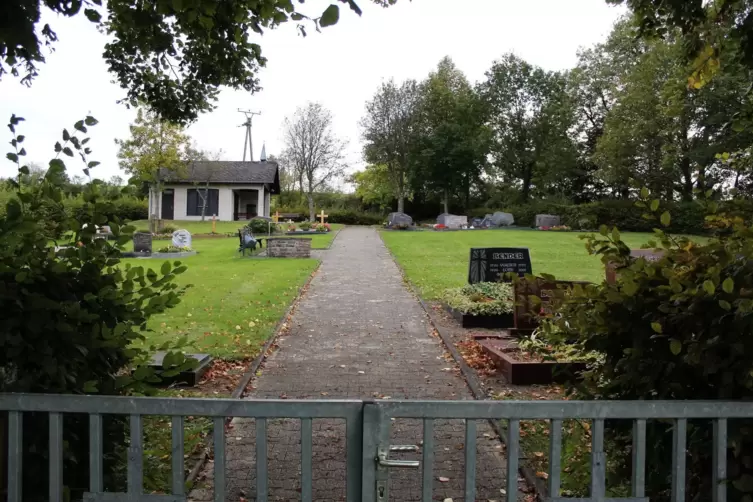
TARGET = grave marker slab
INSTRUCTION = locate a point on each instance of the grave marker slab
(142, 242)
(189, 377)
(394, 219)
(182, 238)
(452, 220)
(648, 254)
(490, 264)
(547, 220)
(550, 293)
(500, 219)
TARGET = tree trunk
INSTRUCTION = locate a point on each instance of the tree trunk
(446, 201)
(687, 178)
(400, 203)
(312, 214)
(152, 200)
(527, 175)
(204, 200)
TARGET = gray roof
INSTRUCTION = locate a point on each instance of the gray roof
(227, 172)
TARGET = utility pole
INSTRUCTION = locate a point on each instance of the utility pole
(248, 143)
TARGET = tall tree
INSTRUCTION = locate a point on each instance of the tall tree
(530, 115)
(170, 54)
(452, 138)
(374, 186)
(389, 131)
(154, 145)
(313, 150)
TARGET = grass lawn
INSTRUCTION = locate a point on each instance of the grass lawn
(435, 261)
(234, 302)
(319, 241)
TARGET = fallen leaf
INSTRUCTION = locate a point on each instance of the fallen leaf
(542, 475)
(538, 454)
(237, 326)
(443, 479)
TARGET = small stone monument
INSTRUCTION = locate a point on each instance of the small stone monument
(452, 220)
(547, 220)
(182, 238)
(397, 219)
(142, 242)
(500, 219)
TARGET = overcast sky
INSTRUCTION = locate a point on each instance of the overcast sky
(340, 68)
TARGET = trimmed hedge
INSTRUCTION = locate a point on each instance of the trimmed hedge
(687, 217)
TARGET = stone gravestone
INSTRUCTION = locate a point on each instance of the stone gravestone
(500, 219)
(477, 222)
(648, 254)
(551, 294)
(491, 264)
(394, 219)
(142, 242)
(452, 220)
(487, 221)
(547, 220)
(182, 239)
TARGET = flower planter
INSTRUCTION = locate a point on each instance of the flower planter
(528, 372)
(498, 321)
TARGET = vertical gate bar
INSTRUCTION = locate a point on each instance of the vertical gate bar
(177, 455)
(470, 459)
(15, 455)
(56, 457)
(719, 486)
(428, 460)
(598, 460)
(639, 458)
(218, 433)
(136, 458)
(353, 445)
(371, 420)
(95, 453)
(679, 436)
(306, 451)
(261, 460)
(555, 457)
(513, 451)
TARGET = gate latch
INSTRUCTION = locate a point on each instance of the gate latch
(385, 462)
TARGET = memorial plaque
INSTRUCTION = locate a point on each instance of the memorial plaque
(182, 239)
(648, 254)
(142, 242)
(492, 264)
(551, 294)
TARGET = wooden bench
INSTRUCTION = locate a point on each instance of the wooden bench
(289, 216)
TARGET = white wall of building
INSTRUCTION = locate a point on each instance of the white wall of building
(225, 203)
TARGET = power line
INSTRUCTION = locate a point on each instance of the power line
(248, 143)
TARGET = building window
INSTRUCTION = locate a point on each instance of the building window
(195, 201)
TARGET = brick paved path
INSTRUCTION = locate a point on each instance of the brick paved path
(358, 333)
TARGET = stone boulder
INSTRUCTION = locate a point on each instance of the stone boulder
(500, 219)
(398, 219)
(547, 220)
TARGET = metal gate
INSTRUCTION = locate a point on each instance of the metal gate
(368, 450)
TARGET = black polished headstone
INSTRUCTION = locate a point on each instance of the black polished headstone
(493, 264)
(142, 242)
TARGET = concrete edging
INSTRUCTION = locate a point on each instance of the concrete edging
(542, 492)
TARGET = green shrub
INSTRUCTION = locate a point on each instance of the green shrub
(174, 249)
(675, 328)
(485, 298)
(354, 218)
(258, 226)
(73, 319)
(167, 229)
(306, 225)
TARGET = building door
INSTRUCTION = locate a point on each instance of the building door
(251, 211)
(168, 204)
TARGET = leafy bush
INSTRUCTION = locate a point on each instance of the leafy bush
(675, 328)
(168, 229)
(306, 225)
(73, 319)
(355, 218)
(258, 226)
(321, 227)
(484, 298)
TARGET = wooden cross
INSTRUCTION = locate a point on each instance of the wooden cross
(214, 223)
(322, 216)
(276, 217)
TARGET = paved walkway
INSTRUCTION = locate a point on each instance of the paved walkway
(358, 333)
